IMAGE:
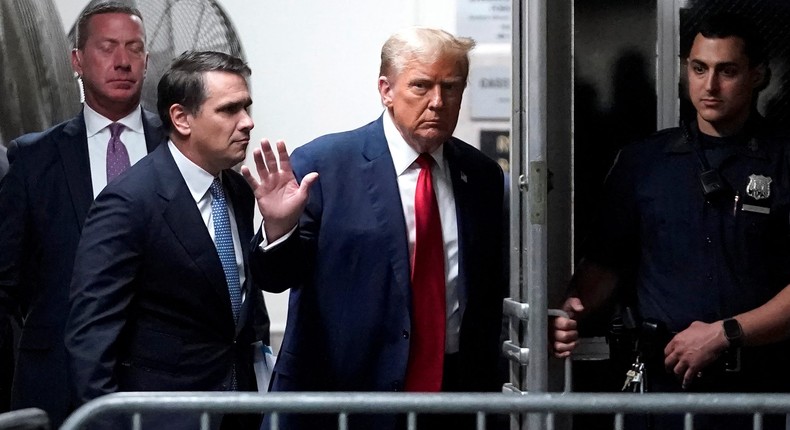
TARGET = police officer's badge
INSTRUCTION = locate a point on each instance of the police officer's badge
(759, 187)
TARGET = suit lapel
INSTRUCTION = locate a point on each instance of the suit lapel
(382, 186)
(73, 149)
(182, 216)
(464, 214)
(152, 127)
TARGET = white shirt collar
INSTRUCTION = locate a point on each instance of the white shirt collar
(198, 180)
(403, 155)
(95, 122)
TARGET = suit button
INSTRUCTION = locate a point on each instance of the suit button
(405, 334)
(396, 386)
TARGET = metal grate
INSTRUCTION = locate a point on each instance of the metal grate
(35, 73)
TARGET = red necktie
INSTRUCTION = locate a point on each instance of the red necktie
(426, 350)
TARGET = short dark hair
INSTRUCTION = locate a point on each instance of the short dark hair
(727, 24)
(99, 9)
(182, 83)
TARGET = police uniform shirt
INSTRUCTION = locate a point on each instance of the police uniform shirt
(693, 259)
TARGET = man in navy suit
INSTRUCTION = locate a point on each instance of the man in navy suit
(351, 261)
(163, 297)
(53, 178)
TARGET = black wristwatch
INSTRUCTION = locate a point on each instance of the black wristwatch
(733, 332)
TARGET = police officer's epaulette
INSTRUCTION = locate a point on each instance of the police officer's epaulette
(665, 139)
(659, 135)
(662, 133)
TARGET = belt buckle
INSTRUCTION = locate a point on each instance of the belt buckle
(732, 360)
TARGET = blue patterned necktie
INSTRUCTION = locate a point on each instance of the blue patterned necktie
(223, 239)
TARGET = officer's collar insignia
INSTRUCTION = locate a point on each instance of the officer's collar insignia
(759, 187)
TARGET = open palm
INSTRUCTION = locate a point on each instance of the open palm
(281, 199)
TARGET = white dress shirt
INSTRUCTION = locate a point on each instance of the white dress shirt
(97, 128)
(199, 181)
(404, 157)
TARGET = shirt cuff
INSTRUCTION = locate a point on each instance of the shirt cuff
(266, 246)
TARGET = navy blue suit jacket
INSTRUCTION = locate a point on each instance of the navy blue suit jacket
(150, 308)
(348, 269)
(43, 200)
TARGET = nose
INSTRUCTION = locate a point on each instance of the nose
(437, 98)
(246, 123)
(712, 82)
(121, 58)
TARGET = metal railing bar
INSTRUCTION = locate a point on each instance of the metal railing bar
(481, 421)
(137, 422)
(274, 419)
(688, 421)
(414, 403)
(204, 421)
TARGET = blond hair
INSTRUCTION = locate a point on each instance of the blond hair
(425, 45)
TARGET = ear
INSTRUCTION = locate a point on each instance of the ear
(76, 61)
(180, 119)
(145, 65)
(760, 76)
(385, 91)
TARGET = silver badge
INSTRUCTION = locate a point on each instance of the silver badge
(759, 187)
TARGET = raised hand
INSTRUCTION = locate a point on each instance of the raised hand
(281, 199)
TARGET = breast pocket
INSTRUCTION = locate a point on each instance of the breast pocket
(667, 232)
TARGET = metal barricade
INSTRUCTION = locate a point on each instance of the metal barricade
(24, 419)
(412, 404)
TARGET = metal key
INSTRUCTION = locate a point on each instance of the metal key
(633, 378)
(629, 377)
(637, 381)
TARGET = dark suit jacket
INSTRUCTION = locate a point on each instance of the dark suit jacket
(150, 308)
(349, 315)
(43, 200)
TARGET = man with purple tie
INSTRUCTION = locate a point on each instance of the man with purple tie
(54, 176)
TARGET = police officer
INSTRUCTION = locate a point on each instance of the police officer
(694, 224)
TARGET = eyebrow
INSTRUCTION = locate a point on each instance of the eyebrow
(457, 79)
(714, 65)
(235, 105)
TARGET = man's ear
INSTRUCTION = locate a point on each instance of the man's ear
(761, 76)
(180, 119)
(76, 62)
(385, 91)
